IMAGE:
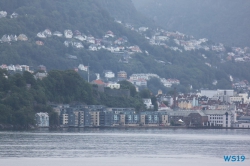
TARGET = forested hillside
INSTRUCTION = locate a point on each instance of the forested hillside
(95, 19)
(225, 21)
(21, 96)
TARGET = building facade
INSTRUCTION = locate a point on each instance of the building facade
(42, 119)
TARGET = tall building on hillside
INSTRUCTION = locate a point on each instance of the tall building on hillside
(122, 75)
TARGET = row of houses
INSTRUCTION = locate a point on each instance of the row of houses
(162, 37)
(12, 38)
(98, 116)
(101, 116)
(112, 45)
(16, 68)
(139, 79)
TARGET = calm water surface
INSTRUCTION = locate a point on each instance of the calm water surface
(123, 147)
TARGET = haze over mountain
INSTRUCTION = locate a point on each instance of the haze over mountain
(225, 21)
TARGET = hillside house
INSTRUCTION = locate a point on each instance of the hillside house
(80, 37)
(82, 67)
(109, 74)
(122, 75)
(11, 68)
(135, 49)
(148, 103)
(139, 82)
(113, 85)
(40, 43)
(41, 67)
(57, 33)
(3, 14)
(6, 38)
(22, 37)
(25, 68)
(109, 34)
(47, 32)
(93, 47)
(41, 35)
(91, 39)
(14, 15)
(40, 75)
(68, 34)
(78, 45)
(18, 68)
(13, 38)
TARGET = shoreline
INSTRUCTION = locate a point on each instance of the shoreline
(116, 127)
(23, 128)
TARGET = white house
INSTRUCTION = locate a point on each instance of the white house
(148, 103)
(11, 68)
(78, 45)
(91, 39)
(109, 74)
(113, 85)
(42, 119)
(93, 47)
(47, 32)
(139, 82)
(3, 14)
(82, 67)
(68, 33)
(25, 68)
(57, 33)
(18, 68)
(6, 38)
(14, 15)
(221, 118)
(41, 35)
(13, 38)
(80, 37)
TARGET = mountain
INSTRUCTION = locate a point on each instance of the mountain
(111, 39)
(224, 21)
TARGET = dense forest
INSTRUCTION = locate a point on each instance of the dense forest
(21, 95)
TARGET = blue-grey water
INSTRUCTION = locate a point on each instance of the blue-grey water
(113, 147)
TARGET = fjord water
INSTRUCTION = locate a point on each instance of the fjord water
(112, 147)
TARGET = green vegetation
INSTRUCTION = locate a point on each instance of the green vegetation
(95, 18)
(21, 96)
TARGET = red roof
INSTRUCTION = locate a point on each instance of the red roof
(98, 82)
(162, 105)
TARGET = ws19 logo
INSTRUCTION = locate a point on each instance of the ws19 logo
(234, 158)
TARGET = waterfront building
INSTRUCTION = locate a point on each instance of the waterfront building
(221, 118)
(150, 118)
(189, 117)
(163, 118)
(42, 119)
(131, 118)
(106, 118)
